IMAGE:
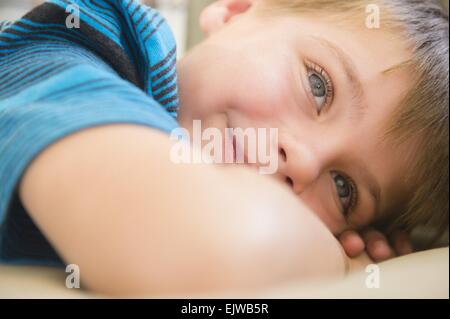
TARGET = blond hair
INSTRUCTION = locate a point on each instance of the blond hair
(423, 112)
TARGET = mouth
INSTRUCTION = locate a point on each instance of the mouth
(229, 147)
(238, 153)
(234, 148)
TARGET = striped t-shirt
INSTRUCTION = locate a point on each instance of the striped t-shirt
(69, 65)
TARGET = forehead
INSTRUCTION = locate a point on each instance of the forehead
(372, 49)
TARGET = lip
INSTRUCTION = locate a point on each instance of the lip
(238, 147)
(234, 148)
(229, 140)
(232, 140)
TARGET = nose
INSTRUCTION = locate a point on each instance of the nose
(299, 166)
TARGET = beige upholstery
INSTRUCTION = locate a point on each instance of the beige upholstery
(419, 275)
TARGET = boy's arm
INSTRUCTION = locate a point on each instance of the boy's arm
(110, 201)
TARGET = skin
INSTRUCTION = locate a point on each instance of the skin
(218, 86)
(98, 204)
(248, 231)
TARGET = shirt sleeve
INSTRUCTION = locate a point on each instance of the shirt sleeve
(118, 67)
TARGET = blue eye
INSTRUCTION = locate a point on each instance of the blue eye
(318, 89)
(346, 191)
(321, 86)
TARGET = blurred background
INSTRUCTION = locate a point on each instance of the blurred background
(182, 15)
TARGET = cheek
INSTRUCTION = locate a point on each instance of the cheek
(252, 91)
(262, 92)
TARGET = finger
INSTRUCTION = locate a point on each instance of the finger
(352, 243)
(402, 243)
(377, 245)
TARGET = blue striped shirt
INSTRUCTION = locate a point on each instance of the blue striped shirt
(118, 65)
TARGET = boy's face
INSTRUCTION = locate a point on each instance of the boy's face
(322, 86)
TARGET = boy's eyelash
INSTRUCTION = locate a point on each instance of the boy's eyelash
(312, 67)
(354, 199)
(354, 192)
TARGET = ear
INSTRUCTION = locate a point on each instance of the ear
(217, 14)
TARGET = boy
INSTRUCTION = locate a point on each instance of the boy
(108, 198)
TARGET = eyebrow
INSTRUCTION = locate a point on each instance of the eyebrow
(349, 68)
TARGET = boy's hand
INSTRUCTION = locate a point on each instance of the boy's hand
(375, 244)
